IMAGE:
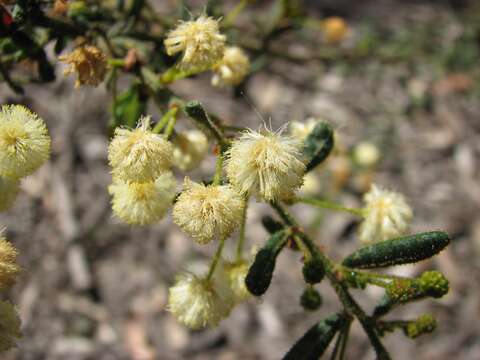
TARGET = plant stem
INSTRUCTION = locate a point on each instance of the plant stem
(217, 178)
(232, 15)
(165, 120)
(241, 237)
(216, 259)
(324, 204)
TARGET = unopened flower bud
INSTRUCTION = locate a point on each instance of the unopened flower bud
(434, 284)
(426, 323)
(311, 300)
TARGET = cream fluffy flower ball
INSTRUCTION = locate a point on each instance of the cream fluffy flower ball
(387, 215)
(300, 130)
(24, 141)
(208, 212)
(190, 147)
(233, 68)
(236, 272)
(198, 302)
(143, 203)
(9, 268)
(265, 164)
(139, 155)
(199, 40)
(8, 192)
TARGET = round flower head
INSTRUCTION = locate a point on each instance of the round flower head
(190, 147)
(24, 141)
(335, 29)
(199, 40)
(233, 68)
(236, 273)
(90, 64)
(9, 268)
(265, 164)
(9, 326)
(198, 302)
(8, 192)
(366, 154)
(300, 130)
(142, 203)
(207, 212)
(139, 155)
(387, 215)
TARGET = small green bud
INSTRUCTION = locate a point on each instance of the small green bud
(426, 323)
(433, 284)
(311, 300)
(402, 290)
(313, 271)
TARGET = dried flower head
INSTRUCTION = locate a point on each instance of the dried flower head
(236, 273)
(199, 40)
(190, 147)
(233, 68)
(207, 212)
(335, 29)
(24, 141)
(139, 155)
(300, 130)
(8, 192)
(387, 215)
(90, 64)
(9, 268)
(9, 326)
(198, 302)
(265, 164)
(142, 203)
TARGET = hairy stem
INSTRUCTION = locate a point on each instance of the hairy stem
(216, 259)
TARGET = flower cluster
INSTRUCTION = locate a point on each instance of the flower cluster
(232, 69)
(143, 186)
(24, 147)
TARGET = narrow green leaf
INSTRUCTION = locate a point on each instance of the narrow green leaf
(403, 250)
(260, 273)
(318, 145)
(315, 341)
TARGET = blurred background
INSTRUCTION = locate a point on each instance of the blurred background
(403, 77)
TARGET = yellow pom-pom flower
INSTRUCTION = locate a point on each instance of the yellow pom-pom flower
(199, 40)
(236, 273)
(90, 64)
(139, 155)
(233, 68)
(8, 192)
(198, 302)
(142, 203)
(9, 326)
(24, 141)
(300, 130)
(265, 164)
(9, 268)
(190, 147)
(208, 212)
(387, 215)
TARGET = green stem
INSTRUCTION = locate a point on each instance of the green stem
(324, 204)
(217, 178)
(165, 120)
(343, 345)
(241, 237)
(216, 259)
(232, 15)
(170, 126)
